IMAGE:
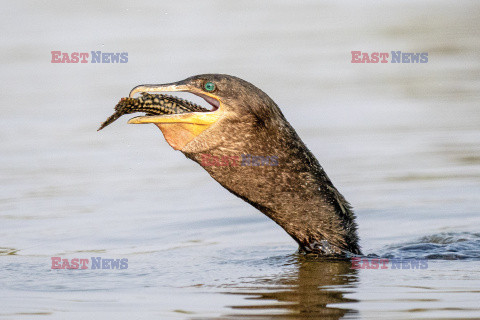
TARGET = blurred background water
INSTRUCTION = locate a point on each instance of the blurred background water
(400, 141)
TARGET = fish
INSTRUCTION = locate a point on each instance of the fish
(152, 104)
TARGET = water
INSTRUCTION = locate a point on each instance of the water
(399, 141)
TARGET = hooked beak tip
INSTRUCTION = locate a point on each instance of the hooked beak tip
(136, 90)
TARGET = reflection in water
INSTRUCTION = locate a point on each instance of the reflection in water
(315, 288)
(400, 141)
(305, 293)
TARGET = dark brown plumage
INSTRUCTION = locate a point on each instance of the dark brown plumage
(296, 194)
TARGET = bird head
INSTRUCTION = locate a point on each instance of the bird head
(231, 99)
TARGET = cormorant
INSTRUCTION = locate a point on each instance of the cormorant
(281, 178)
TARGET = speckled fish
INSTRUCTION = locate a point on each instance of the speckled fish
(152, 104)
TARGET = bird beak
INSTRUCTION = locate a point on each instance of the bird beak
(198, 118)
(179, 129)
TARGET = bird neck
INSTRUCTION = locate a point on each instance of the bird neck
(277, 174)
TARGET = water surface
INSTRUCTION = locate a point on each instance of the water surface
(401, 142)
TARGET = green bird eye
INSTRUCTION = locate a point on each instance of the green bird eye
(209, 86)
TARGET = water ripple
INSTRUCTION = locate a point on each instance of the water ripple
(441, 246)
